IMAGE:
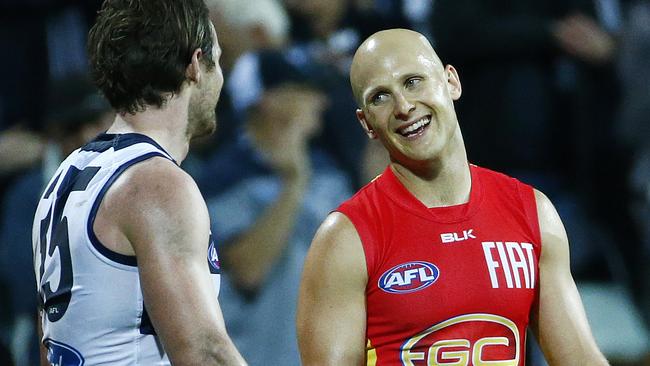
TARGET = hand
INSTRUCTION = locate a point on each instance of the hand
(289, 117)
(582, 37)
(19, 149)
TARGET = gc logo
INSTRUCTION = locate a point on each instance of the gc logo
(440, 344)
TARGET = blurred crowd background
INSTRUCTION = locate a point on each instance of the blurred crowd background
(555, 93)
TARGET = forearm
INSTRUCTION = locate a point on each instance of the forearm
(575, 345)
(250, 257)
(212, 350)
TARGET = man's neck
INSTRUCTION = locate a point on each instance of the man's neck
(167, 126)
(445, 181)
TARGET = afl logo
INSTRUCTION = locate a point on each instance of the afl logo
(213, 258)
(409, 277)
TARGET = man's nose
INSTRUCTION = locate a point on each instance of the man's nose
(403, 107)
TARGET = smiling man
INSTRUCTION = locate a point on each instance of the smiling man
(437, 261)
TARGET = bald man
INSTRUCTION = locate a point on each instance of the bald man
(437, 261)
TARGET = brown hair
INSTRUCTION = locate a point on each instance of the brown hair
(139, 49)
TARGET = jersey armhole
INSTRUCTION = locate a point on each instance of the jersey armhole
(527, 195)
(365, 236)
(126, 260)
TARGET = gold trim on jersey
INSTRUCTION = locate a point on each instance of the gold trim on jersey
(371, 355)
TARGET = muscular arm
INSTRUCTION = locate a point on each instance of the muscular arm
(163, 217)
(559, 322)
(331, 316)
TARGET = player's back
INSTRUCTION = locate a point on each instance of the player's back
(93, 311)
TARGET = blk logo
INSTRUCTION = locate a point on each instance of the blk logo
(453, 237)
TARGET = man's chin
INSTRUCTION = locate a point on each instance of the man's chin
(204, 128)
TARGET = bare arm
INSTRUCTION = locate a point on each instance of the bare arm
(168, 228)
(281, 129)
(331, 316)
(267, 237)
(560, 323)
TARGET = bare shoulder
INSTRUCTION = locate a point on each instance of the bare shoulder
(155, 199)
(337, 236)
(336, 258)
(155, 181)
(337, 230)
(331, 312)
(550, 222)
(555, 244)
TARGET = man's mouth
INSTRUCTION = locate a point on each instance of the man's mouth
(415, 128)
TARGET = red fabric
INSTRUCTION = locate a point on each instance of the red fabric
(459, 303)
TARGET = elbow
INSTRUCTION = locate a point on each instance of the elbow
(247, 280)
(246, 273)
(214, 350)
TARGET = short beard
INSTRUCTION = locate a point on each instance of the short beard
(201, 121)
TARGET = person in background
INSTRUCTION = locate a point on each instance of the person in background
(75, 114)
(289, 186)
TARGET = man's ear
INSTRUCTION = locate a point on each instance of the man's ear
(453, 82)
(193, 70)
(364, 123)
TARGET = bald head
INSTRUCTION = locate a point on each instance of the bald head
(383, 50)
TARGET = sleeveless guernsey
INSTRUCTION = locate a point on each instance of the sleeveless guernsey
(91, 302)
(450, 285)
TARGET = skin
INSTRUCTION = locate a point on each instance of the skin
(167, 226)
(331, 317)
(397, 83)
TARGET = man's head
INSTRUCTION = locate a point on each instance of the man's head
(405, 95)
(143, 52)
(287, 109)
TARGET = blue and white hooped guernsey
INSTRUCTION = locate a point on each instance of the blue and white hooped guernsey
(92, 306)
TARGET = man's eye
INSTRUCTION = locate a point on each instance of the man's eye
(379, 98)
(412, 82)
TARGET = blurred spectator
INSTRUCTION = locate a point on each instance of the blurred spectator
(244, 29)
(264, 222)
(75, 114)
(634, 131)
(633, 127)
(48, 34)
(323, 36)
(41, 41)
(20, 149)
(504, 53)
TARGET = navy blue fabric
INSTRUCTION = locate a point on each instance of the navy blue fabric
(116, 257)
(105, 141)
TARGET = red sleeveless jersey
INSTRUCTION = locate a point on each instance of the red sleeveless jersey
(450, 285)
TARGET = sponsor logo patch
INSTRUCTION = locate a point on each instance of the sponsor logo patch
(61, 354)
(456, 342)
(409, 277)
(213, 258)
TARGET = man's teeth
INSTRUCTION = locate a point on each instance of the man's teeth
(422, 122)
